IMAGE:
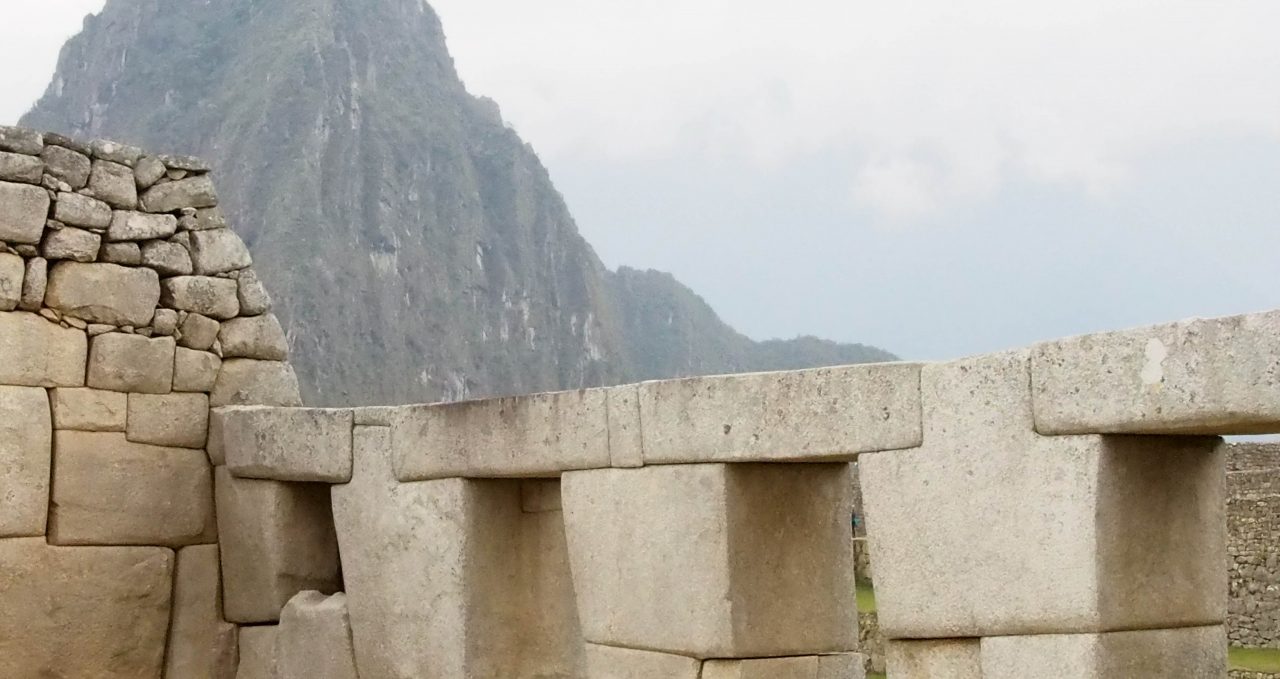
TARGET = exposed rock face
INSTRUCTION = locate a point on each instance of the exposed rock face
(416, 246)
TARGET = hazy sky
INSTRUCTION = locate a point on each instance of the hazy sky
(933, 178)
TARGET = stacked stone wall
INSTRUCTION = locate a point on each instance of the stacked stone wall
(1253, 520)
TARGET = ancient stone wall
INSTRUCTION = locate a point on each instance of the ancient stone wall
(1253, 522)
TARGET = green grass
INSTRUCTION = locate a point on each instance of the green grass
(875, 675)
(866, 598)
(1255, 659)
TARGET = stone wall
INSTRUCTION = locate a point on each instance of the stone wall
(1253, 520)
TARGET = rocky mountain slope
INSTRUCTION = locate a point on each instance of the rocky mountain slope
(416, 247)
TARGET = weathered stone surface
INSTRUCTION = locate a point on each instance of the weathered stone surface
(611, 662)
(835, 666)
(104, 293)
(77, 210)
(197, 636)
(199, 332)
(107, 490)
(192, 192)
(26, 453)
(626, 449)
(277, 540)
(169, 259)
(147, 172)
(1142, 654)
(34, 283)
(375, 415)
(121, 253)
(195, 370)
(213, 297)
(254, 299)
(17, 167)
(1214, 376)
(137, 226)
(218, 251)
(180, 420)
(66, 165)
(165, 322)
(38, 353)
(287, 444)
(115, 152)
(12, 272)
(1085, 523)
(187, 163)
(83, 409)
(21, 140)
(23, 211)
(315, 638)
(824, 414)
(696, 560)
(246, 382)
(258, 337)
(113, 183)
(96, 612)
(70, 243)
(132, 363)
(259, 652)
(542, 434)
(931, 658)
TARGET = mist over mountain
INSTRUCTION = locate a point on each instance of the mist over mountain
(415, 246)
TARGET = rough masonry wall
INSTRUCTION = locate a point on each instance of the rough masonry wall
(1253, 519)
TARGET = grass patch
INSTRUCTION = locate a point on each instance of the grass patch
(1253, 659)
(875, 675)
(866, 599)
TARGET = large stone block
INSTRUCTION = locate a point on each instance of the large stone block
(626, 449)
(72, 244)
(698, 560)
(246, 382)
(135, 226)
(259, 652)
(34, 284)
(834, 666)
(21, 140)
(314, 640)
(259, 337)
(83, 409)
(104, 293)
(67, 165)
(12, 272)
(277, 539)
(132, 363)
(23, 211)
(26, 453)
(1142, 654)
(611, 662)
(38, 353)
(201, 645)
(110, 491)
(991, 529)
(18, 167)
(936, 658)
(97, 612)
(1214, 376)
(218, 251)
(538, 435)
(78, 210)
(449, 579)
(193, 192)
(114, 183)
(287, 444)
(180, 420)
(195, 370)
(823, 414)
(204, 295)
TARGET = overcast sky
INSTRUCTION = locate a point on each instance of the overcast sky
(936, 178)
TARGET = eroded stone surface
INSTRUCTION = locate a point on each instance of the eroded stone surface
(104, 293)
(205, 295)
(136, 226)
(259, 337)
(195, 370)
(114, 183)
(12, 271)
(287, 444)
(132, 363)
(26, 454)
(194, 192)
(245, 382)
(38, 353)
(23, 210)
(218, 251)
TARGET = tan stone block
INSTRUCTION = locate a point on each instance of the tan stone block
(23, 211)
(198, 637)
(194, 192)
(180, 420)
(813, 415)
(104, 293)
(218, 251)
(840, 666)
(696, 560)
(113, 183)
(83, 409)
(131, 363)
(626, 449)
(34, 284)
(259, 337)
(277, 539)
(26, 453)
(246, 382)
(935, 658)
(314, 640)
(538, 435)
(80, 210)
(199, 332)
(38, 353)
(377, 416)
(12, 272)
(1141, 654)
(97, 612)
(1200, 376)
(195, 371)
(204, 295)
(287, 444)
(259, 652)
(109, 491)
(991, 529)
(611, 662)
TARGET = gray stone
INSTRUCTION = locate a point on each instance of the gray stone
(259, 657)
(194, 192)
(38, 353)
(109, 491)
(610, 662)
(375, 415)
(78, 210)
(931, 658)
(168, 259)
(277, 540)
(67, 165)
(147, 172)
(16, 167)
(213, 297)
(180, 420)
(315, 638)
(34, 283)
(23, 211)
(104, 293)
(626, 449)
(187, 163)
(99, 612)
(198, 638)
(258, 337)
(131, 363)
(130, 226)
(83, 409)
(209, 218)
(287, 444)
(115, 152)
(129, 254)
(12, 273)
(254, 299)
(26, 452)
(72, 244)
(246, 382)
(165, 322)
(1140, 654)
(56, 139)
(195, 370)
(113, 183)
(218, 251)
(199, 332)
(21, 140)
